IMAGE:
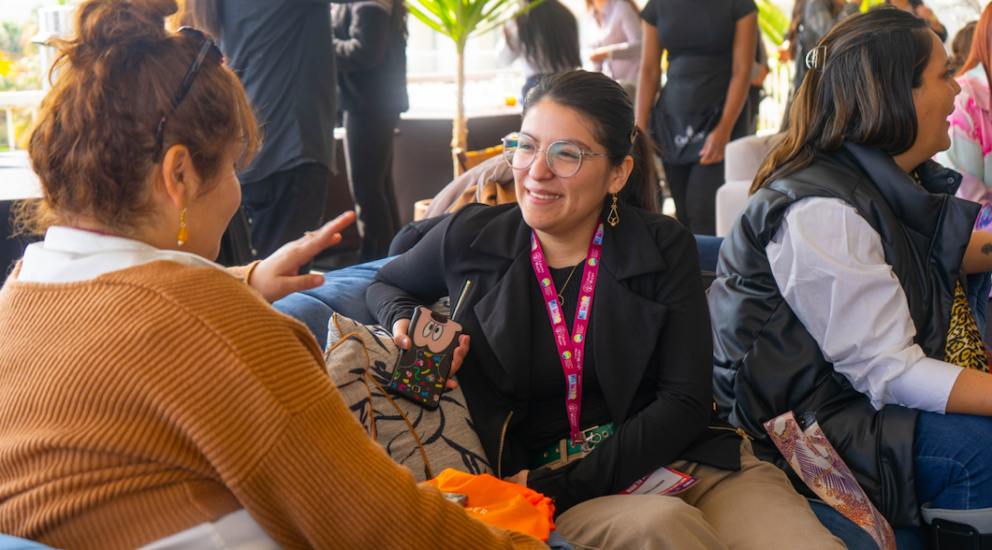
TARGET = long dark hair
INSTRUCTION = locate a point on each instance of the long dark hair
(206, 15)
(549, 35)
(861, 91)
(608, 108)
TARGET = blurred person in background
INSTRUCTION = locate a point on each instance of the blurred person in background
(818, 17)
(961, 46)
(917, 8)
(370, 44)
(756, 93)
(703, 106)
(545, 39)
(788, 51)
(611, 35)
(971, 127)
(283, 52)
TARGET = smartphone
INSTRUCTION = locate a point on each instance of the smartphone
(423, 369)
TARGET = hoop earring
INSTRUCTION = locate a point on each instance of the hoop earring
(613, 218)
(183, 232)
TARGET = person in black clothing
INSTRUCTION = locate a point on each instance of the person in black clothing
(370, 43)
(283, 52)
(630, 304)
(711, 47)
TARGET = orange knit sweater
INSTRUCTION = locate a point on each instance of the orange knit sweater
(155, 398)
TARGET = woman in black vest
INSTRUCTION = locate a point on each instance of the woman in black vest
(843, 288)
(583, 267)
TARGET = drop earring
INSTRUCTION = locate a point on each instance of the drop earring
(613, 218)
(183, 232)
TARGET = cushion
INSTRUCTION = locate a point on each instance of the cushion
(360, 359)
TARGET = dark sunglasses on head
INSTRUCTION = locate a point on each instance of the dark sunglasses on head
(207, 48)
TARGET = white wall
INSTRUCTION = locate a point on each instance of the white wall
(954, 14)
(21, 10)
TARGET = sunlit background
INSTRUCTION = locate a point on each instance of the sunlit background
(490, 89)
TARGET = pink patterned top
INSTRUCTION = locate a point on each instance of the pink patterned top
(971, 143)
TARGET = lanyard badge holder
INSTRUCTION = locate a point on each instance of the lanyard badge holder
(571, 349)
(663, 481)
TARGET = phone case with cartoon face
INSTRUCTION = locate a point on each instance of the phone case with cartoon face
(423, 369)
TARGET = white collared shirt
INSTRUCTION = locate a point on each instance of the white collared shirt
(830, 266)
(69, 255)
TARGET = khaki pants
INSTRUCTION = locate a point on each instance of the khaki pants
(754, 508)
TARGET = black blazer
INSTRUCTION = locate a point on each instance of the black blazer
(651, 342)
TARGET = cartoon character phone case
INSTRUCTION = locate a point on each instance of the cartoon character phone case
(423, 369)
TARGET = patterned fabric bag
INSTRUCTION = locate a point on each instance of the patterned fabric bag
(821, 468)
(360, 361)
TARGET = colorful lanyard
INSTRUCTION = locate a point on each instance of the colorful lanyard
(570, 350)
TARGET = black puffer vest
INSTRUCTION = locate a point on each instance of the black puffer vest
(765, 361)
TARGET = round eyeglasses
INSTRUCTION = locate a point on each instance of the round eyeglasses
(563, 158)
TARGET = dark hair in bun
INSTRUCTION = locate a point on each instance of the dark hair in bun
(113, 81)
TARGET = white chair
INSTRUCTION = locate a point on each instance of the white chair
(741, 162)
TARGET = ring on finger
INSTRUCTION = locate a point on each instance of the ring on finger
(308, 235)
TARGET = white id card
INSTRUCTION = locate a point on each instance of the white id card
(664, 481)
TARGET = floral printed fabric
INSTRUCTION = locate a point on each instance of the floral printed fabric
(964, 342)
(822, 469)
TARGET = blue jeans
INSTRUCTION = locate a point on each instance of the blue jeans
(343, 292)
(953, 461)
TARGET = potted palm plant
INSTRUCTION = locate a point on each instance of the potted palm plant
(459, 20)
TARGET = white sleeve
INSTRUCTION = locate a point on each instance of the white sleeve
(830, 267)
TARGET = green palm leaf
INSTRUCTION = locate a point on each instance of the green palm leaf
(774, 23)
(459, 20)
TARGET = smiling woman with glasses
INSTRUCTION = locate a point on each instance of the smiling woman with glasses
(587, 349)
(149, 398)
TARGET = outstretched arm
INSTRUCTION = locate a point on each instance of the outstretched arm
(745, 35)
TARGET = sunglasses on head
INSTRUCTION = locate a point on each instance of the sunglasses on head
(208, 48)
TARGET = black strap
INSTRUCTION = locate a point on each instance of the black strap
(948, 535)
